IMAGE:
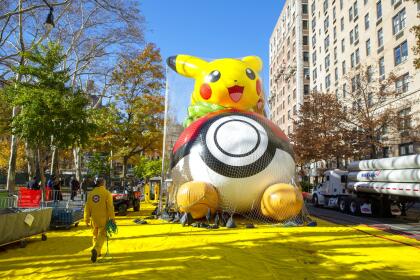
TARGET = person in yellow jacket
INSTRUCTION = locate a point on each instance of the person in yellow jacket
(99, 209)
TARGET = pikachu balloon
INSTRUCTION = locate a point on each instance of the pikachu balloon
(227, 82)
(230, 156)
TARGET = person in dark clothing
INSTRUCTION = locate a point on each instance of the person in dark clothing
(33, 184)
(57, 190)
(84, 188)
(75, 186)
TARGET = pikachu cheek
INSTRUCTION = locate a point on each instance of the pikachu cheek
(205, 91)
(259, 89)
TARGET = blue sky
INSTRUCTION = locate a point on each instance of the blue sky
(212, 29)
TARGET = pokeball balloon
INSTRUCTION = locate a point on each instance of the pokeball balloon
(240, 153)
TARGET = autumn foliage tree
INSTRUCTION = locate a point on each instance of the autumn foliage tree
(137, 110)
(319, 133)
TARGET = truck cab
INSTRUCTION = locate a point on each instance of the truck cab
(333, 186)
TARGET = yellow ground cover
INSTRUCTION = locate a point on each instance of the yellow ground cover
(160, 250)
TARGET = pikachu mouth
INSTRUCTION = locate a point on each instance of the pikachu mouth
(236, 93)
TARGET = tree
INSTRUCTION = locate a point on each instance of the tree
(51, 114)
(319, 133)
(99, 165)
(373, 103)
(138, 109)
(147, 168)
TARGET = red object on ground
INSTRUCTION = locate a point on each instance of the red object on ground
(29, 198)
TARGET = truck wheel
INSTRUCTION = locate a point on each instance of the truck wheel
(315, 201)
(343, 205)
(354, 207)
(44, 237)
(122, 209)
(136, 205)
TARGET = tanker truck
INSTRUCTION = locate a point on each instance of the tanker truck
(378, 187)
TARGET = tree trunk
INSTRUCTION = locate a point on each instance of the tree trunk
(54, 161)
(11, 171)
(41, 165)
(77, 163)
(30, 157)
(124, 171)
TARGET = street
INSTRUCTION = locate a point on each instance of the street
(406, 226)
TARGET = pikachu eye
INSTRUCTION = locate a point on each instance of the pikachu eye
(250, 73)
(214, 76)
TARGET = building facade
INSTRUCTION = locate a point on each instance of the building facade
(345, 35)
(289, 63)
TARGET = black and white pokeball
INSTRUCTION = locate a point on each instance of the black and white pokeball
(239, 153)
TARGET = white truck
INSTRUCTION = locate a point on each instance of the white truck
(380, 187)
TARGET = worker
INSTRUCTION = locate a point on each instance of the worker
(98, 210)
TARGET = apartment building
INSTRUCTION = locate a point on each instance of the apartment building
(346, 35)
(343, 35)
(289, 63)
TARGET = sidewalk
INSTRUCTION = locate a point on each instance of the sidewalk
(165, 251)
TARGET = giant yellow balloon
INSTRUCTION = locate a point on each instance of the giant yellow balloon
(281, 202)
(196, 198)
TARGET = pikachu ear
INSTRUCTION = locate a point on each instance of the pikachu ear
(254, 62)
(186, 65)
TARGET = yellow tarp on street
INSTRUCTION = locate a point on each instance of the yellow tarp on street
(160, 250)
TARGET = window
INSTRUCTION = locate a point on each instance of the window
(382, 67)
(344, 90)
(380, 38)
(327, 42)
(313, 7)
(288, 99)
(305, 24)
(335, 54)
(305, 40)
(400, 53)
(342, 24)
(370, 99)
(352, 60)
(355, 10)
(334, 13)
(356, 32)
(368, 47)
(343, 67)
(314, 57)
(367, 21)
(294, 94)
(313, 23)
(351, 14)
(336, 74)
(289, 129)
(342, 45)
(357, 55)
(314, 74)
(326, 24)
(306, 73)
(406, 149)
(325, 6)
(404, 119)
(327, 62)
(314, 40)
(305, 9)
(335, 33)
(365, 2)
(288, 54)
(378, 9)
(305, 89)
(306, 56)
(369, 74)
(327, 81)
(401, 85)
(289, 114)
(294, 110)
(398, 22)
(341, 4)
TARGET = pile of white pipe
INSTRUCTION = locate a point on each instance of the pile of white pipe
(396, 176)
